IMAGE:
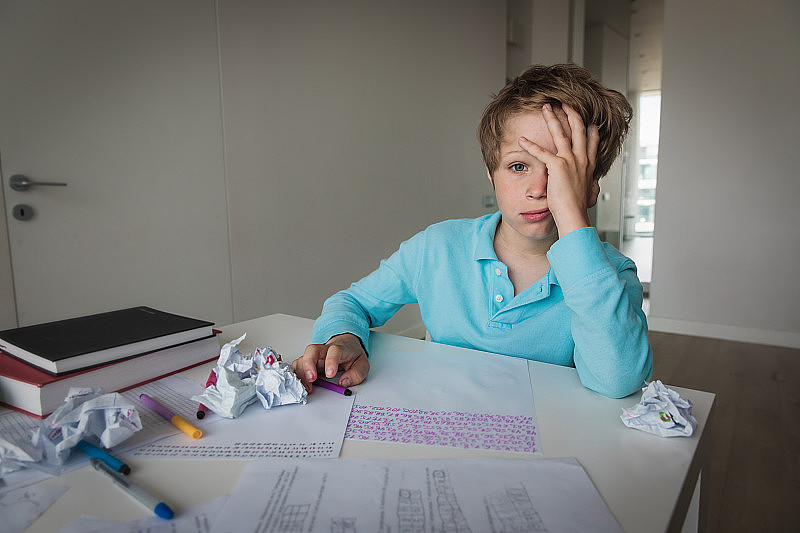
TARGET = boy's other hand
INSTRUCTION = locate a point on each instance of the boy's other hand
(343, 352)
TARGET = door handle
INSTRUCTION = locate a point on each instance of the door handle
(18, 182)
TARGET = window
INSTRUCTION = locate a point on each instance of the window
(647, 165)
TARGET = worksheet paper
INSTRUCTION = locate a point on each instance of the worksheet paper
(457, 398)
(17, 428)
(314, 429)
(457, 495)
(20, 507)
(174, 391)
(197, 519)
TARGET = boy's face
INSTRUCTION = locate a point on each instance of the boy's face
(520, 180)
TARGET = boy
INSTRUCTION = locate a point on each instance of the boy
(532, 280)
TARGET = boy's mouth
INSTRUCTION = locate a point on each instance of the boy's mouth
(535, 216)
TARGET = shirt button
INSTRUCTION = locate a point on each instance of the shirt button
(498, 271)
(498, 298)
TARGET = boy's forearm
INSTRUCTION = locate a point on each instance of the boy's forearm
(341, 314)
(612, 353)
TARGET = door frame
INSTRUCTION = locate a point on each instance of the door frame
(8, 306)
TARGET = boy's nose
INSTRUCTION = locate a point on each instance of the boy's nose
(537, 186)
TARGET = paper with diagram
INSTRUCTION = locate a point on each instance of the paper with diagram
(454, 495)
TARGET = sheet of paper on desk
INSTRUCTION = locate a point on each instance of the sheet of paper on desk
(197, 519)
(492, 495)
(457, 398)
(20, 507)
(17, 427)
(172, 391)
(315, 429)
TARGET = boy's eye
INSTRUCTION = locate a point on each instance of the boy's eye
(518, 167)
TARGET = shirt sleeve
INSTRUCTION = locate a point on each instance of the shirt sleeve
(612, 353)
(374, 299)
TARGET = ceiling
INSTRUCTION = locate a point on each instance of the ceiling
(647, 27)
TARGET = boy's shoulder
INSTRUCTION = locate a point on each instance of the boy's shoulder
(460, 227)
(453, 236)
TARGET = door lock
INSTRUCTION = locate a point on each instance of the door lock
(22, 212)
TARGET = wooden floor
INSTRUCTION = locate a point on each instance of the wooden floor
(754, 480)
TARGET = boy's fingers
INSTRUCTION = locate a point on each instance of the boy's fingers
(356, 373)
(564, 120)
(536, 151)
(560, 139)
(332, 360)
(531, 147)
(578, 128)
(305, 366)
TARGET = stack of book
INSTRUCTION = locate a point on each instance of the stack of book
(114, 351)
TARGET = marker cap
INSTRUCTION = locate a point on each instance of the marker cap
(163, 510)
(179, 422)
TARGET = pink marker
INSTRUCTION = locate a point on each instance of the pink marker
(325, 384)
(212, 380)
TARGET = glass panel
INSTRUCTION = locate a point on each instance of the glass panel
(647, 165)
(640, 204)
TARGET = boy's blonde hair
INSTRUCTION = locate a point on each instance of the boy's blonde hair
(557, 84)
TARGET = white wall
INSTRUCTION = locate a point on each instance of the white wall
(349, 126)
(726, 260)
(542, 33)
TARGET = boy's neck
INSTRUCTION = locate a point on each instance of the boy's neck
(526, 260)
(510, 243)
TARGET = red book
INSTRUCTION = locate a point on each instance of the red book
(25, 388)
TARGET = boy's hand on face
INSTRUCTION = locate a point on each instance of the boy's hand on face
(571, 189)
(340, 352)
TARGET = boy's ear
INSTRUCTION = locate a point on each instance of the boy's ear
(489, 175)
(594, 192)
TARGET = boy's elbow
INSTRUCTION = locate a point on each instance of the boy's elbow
(622, 385)
(619, 390)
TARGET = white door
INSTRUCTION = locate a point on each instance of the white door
(120, 101)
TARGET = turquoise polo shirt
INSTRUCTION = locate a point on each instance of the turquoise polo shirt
(586, 312)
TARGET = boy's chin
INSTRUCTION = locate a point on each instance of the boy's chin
(540, 233)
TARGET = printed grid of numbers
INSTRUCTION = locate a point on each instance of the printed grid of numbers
(514, 433)
(239, 450)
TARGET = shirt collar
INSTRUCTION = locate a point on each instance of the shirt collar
(484, 245)
(484, 239)
(551, 277)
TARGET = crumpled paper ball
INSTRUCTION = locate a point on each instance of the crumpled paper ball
(244, 378)
(276, 384)
(661, 411)
(86, 412)
(13, 457)
(230, 395)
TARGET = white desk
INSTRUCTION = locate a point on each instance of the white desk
(646, 481)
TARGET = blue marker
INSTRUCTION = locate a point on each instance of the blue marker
(161, 509)
(98, 453)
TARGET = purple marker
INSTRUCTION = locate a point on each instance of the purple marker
(177, 420)
(325, 384)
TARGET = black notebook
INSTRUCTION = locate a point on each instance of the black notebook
(82, 342)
